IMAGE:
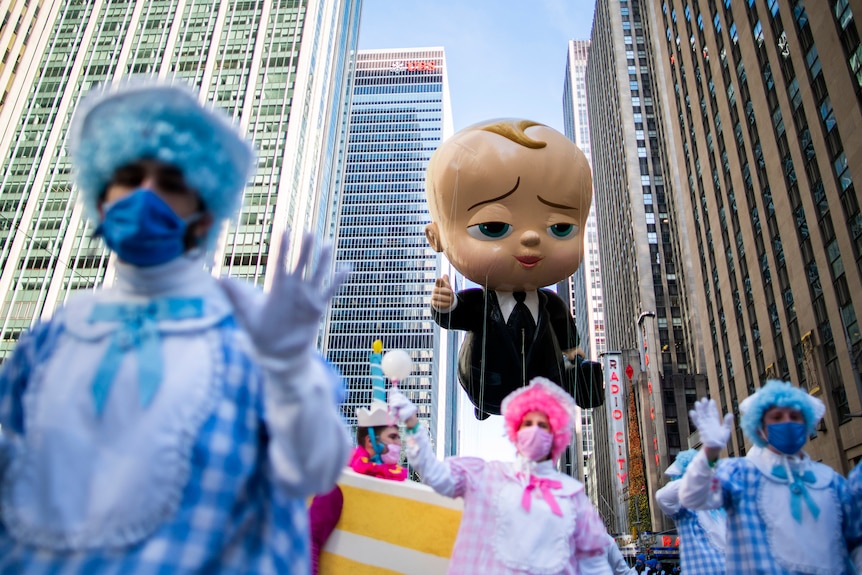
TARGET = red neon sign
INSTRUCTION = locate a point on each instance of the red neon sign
(421, 66)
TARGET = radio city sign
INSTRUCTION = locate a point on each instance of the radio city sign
(416, 66)
(617, 406)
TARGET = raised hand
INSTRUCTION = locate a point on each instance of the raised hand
(400, 407)
(286, 322)
(714, 432)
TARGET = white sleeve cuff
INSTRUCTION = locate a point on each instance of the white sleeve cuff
(698, 488)
(596, 565)
(433, 472)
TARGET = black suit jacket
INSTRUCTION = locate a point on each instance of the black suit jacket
(491, 364)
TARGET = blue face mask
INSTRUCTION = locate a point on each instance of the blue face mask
(787, 437)
(143, 230)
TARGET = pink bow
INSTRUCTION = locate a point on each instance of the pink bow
(545, 486)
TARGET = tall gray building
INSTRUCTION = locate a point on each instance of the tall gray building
(765, 108)
(280, 67)
(642, 240)
(399, 115)
(587, 301)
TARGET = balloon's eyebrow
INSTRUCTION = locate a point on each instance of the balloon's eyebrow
(553, 205)
(507, 194)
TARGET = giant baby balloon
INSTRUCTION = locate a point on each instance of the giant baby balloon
(509, 200)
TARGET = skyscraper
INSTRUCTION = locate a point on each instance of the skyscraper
(587, 299)
(765, 103)
(21, 30)
(642, 240)
(399, 115)
(280, 67)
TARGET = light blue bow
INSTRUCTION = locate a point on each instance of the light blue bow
(139, 330)
(798, 492)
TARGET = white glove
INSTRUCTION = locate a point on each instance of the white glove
(285, 324)
(713, 431)
(401, 407)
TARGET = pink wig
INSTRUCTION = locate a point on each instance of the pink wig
(549, 398)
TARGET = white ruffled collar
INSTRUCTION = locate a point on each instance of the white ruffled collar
(524, 468)
(181, 276)
(768, 461)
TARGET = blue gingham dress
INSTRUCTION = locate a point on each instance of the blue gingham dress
(748, 545)
(697, 556)
(231, 517)
(854, 526)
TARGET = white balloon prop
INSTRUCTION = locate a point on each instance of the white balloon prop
(397, 365)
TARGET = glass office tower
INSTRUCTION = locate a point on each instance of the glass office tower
(279, 67)
(399, 115)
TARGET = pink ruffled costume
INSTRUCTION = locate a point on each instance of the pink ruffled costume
(521, 517)
(498, 533)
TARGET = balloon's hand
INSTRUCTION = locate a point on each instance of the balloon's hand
(442, 297)
(571, 354)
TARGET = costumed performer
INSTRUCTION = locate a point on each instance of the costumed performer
(377, 454)
(378, 444)
(509, 201)
(523, 516)
(172, 422)
(701, 533)
(786, 514)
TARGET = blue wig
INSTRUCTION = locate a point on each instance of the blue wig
(777, 393)
(680, 464)
(145, 118)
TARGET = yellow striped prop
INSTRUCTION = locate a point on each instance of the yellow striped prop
(390, 528)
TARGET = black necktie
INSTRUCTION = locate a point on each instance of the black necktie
(521, 323)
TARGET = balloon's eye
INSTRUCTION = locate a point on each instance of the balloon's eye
(563, 231)
(490, 230)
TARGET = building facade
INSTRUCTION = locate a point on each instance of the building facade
(399, 115)
(279, 67)
(585, 285)
(765, 104)
(20, 29)
(642, 240)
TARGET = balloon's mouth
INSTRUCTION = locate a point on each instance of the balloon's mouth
(528, 262)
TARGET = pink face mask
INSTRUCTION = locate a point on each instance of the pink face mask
(534, 443)
(392, 455)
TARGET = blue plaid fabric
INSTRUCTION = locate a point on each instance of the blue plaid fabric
(232, 519)
(696, 555)
(748, 549)
(854, 526)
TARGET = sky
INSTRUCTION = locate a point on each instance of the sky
(504, 58)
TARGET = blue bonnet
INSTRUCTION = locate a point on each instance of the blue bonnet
(676, 469)
(777, 393)
(147, 118)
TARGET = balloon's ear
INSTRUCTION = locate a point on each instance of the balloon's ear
(433, 236)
